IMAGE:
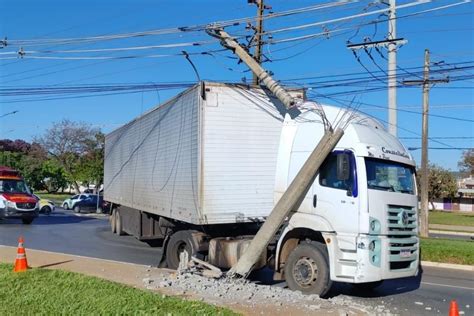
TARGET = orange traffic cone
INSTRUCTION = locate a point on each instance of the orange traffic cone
(453, 308)
(20, 263)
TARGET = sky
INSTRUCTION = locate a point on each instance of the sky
(320, 62)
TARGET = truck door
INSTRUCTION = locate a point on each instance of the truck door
(336, 198)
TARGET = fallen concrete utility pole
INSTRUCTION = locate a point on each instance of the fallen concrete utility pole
(293, 196)
(290, 201)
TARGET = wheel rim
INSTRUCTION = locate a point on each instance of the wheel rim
(305, 271)
(180, 248)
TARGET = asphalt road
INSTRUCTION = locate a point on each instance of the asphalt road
(65, 232)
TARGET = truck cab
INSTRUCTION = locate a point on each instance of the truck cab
(16, 199)
(361, 209)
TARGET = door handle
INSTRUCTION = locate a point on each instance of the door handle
(315, 200)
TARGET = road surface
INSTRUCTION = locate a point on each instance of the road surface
(65, 232)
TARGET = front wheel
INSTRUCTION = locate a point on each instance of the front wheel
(46, 210)
(307, 269)
(77, 209)
(66, 206)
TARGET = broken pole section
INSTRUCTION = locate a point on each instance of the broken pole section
(295, 193)
(228, 42)
(290, 201)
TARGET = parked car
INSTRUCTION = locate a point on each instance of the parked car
(88, 204)
(46, 206)
(68, 204)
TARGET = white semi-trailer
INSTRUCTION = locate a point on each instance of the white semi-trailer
(202, 172)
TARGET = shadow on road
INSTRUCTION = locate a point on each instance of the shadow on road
(388, 288)
(50, 220)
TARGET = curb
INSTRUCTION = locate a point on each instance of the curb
(447, 265)
(448, 232)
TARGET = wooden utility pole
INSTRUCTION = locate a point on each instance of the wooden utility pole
(424, 183)
(258, 37)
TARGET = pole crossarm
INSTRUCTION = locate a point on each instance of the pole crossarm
(384, 43)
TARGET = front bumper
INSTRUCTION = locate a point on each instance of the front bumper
(367, 258)
(10, 212)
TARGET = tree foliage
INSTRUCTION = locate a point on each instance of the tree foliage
(466, 164)
(33, 163)
(78, 150)
(442, 183)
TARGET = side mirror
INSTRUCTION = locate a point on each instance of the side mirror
(343, 167)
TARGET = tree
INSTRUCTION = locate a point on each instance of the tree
(69, 143)
(466, 164)
(39, 171)
(442, 183)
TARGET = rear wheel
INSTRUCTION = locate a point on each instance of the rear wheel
(180, 241)
(307, 269)
(118, 223)
(27, 221)
(112, 221)
(65, 206)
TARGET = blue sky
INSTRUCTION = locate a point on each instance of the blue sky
(447, 33)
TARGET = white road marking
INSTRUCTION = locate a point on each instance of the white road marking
(445, 285)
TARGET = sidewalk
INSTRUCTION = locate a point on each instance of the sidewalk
(454, 228)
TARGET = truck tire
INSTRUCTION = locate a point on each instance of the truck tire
(112, 221)
(307, 269)
(180, 241)
(27, 221)
(118, 223)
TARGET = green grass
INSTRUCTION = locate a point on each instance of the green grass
(451, 218)
(447, 250)
(55, 292)
(57, 198)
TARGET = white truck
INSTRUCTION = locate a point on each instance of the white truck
(202, 172)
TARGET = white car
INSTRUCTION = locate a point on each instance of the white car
(69, 203)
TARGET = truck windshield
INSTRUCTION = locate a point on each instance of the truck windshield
(389, 176)
(13, 186)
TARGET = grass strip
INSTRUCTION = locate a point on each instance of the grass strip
(56, 292)
(451, 218)
(447, 251)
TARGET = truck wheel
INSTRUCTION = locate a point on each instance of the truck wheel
(307, 269)
(369, 286)
(112, 221)
(27, 221)
(118, 223)
(180, 241)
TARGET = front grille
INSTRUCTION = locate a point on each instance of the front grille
(402, 230)
(26, 206)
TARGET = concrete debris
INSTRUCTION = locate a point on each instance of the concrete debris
(419, 303)
(247, 293)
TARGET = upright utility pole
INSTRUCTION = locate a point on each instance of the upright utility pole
(258, 36)
(391, 43)
(424, 183)
(392, 69)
